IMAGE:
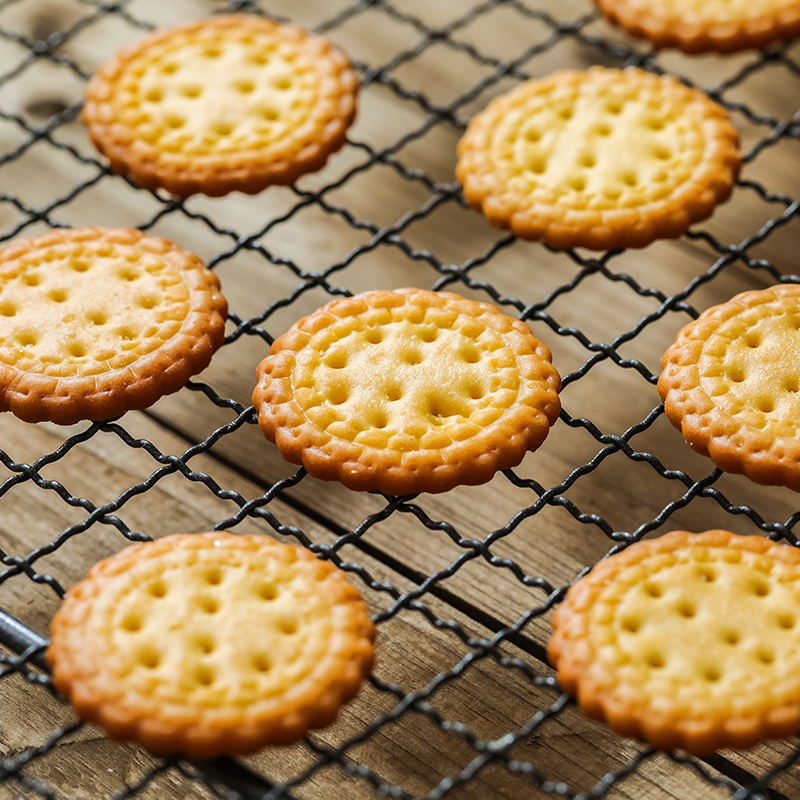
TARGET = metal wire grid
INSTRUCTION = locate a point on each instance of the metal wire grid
(225, 778)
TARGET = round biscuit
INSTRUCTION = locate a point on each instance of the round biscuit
(210, 644)
(688, 641)
(731, 384)
(602, 158)
(407, 391)
(234, 102)
(702, 26)
(96, 321)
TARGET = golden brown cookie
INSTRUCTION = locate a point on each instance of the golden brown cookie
(687, 641)
(95, 322)
(701, 26)
(234, 102)
(602, 159)
(211, 643)
(731, 384)
(407, 391)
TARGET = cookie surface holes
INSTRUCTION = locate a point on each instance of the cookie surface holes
(766, 406)
(191, 91)
(213, 577)
(374, 336)
(429, 335)
(662, 153)
(706, 574)
(565, 113)
(148, 302)
(79, 265)
(630, 180)
(655, 660)
(761, 589)
(169, 69)
(604, 130)
(578, 184)
(77, 350)
(8, 309)
(732, 637)
(212, 52)
(589, 161)
(793, 385)
(282, 83)
(752, 340)
(149, 659)
(205, 677)
(476, 392)
(394, 393)
(209, 605)
(412, 357)
(712, 674)
(223, 128)
(786, 621)
(262, 663)
(267, 592)
(614, 108)
(736, 375)
(154, 96)
(126, 334)
(533, 135)
(287, 626)
(32, 280)
(336, 360)
(132, 623)
(338, 395)
(27, 338)
(158, 589)
(653, 589)
(270, 114)
(128, 274)
(631, 624)
(471, 355)
(58, 295)
(765, 656)
(175, 122)
(380, 421)
(687, 610)
(205, 644)
(656, 124)
(245, 87)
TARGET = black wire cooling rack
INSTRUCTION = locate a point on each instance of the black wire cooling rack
(531, 742)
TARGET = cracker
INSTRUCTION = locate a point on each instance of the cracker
(235, 102)
(687, 641)
(601, 158)
(95, 322)
(407, 391)
(731, 384)
(721, 26)
(210, 644)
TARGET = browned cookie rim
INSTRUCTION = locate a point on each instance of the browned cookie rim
(694, 38)
(501, 445)
(487, 189)
(100, 697)
(573, 653)
(36, 397)
(218, 175)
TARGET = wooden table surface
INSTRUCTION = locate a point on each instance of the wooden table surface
(443, 573)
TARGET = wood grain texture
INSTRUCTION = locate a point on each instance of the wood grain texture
(384, 225)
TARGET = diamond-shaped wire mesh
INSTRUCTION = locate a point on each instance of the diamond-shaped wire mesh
(462, 703)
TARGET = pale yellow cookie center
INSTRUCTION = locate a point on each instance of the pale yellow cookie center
(707, 12)
(702, 630)
(219, 92)
(216, 629)
(597, 144)
(406, 385)
(87, 308)
(750, 367)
